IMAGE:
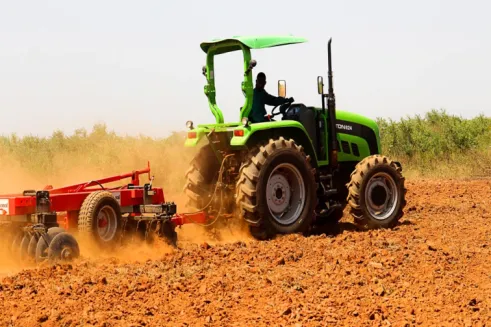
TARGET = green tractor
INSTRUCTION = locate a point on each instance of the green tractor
(291, 174)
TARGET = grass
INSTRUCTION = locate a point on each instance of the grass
(436, 145)
(439, 144)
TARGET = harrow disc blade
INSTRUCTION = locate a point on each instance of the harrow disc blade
(24, 247)
(63, 247)
(15, 246)
(41, 253)
(31, 248)
(168, 232)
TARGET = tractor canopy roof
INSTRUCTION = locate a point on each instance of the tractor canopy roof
(253, 42)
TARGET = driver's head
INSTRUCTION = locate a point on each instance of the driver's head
(260, 80)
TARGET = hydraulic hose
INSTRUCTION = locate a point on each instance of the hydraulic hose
(219, 181)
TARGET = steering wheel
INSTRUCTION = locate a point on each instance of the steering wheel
(282, 108)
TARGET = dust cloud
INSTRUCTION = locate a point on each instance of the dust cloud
(67, 170)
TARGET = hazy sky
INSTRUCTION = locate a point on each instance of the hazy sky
(136, 65)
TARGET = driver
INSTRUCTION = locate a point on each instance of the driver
(261, 98)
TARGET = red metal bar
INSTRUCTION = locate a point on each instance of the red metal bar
(194, 218)
(23, 205)
(70, 198)
(134, 175)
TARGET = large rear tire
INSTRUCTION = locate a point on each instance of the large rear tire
(201, 178)
(377, 193)
(200, 186)
(276, 190)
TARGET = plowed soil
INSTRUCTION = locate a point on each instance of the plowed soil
(434, 269)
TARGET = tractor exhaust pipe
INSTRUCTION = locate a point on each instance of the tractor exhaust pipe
(331, 109)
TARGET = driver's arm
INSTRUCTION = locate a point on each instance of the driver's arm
(271, 100)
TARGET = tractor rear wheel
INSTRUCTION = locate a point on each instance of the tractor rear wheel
(376, 192)
(276, 190)
(201, 178)
(100, 218)
(200, 186)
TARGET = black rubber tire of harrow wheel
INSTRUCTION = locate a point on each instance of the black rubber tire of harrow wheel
(41, 253)
(364, 170)
(58, 243)
(251, 188)
(201, 177)
(87, 219)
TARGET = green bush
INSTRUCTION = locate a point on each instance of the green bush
(439, 144)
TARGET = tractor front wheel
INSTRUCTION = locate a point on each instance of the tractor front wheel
(376, 192)
(276, 190)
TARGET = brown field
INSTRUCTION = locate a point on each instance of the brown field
(434, 269)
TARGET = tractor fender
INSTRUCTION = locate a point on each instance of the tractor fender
(257, 133)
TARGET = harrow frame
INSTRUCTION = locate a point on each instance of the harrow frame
(60, 207)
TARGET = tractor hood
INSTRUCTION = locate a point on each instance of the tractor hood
(252, 42)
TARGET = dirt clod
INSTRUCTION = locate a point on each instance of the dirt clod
(432, 270)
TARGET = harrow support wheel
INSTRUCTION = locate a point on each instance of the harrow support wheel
(100, 218)
(377, 192)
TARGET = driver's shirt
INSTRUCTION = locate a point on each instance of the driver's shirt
(261, 98)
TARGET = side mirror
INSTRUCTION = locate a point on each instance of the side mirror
(320, 85)
(282, 88)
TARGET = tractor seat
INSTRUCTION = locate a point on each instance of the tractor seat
(305, 116)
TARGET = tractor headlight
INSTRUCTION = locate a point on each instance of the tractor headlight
(245, 121)
(189, 124)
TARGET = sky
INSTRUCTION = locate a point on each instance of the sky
(136, 65)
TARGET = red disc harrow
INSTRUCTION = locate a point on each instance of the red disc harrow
(40, 221)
